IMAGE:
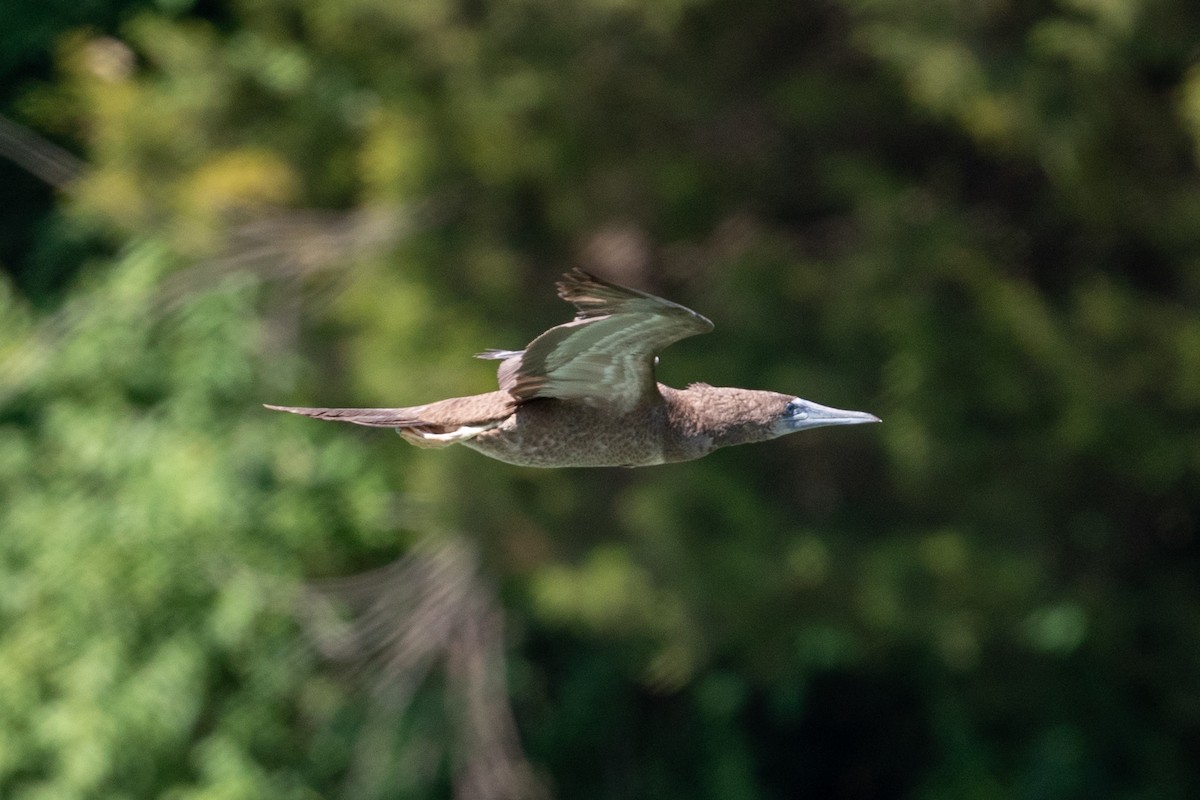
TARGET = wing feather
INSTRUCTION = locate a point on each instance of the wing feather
(605, 356)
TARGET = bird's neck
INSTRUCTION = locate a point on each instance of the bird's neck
(703, 418)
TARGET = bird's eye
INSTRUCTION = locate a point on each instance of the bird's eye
(796, 410)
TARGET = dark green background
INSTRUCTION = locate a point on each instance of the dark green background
(980, 221)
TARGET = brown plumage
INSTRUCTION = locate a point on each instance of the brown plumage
(583, 394)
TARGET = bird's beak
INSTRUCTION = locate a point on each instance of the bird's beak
(819, 416)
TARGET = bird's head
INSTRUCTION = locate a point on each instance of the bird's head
(719, 417)
(797, 414)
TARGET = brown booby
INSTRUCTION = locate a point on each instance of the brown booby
(583, 394)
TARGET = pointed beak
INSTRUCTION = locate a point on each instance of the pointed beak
(818, 416)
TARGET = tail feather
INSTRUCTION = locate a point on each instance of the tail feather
(438, 424)
(372, 417)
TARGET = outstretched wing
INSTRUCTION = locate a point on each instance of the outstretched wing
(605, 356)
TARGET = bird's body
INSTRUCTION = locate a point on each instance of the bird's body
(583, 394)
(550, 433)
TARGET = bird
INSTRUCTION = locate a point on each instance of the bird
(584, 394)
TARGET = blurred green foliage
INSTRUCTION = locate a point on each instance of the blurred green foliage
(979, 220)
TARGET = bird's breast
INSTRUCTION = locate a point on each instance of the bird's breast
(553, 433)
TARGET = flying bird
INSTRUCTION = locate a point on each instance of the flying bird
(583, 394)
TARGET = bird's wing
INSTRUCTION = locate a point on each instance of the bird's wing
(605, 356)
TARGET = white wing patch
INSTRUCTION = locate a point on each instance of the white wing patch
(465, 432)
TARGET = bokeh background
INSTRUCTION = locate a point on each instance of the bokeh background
(978, 220)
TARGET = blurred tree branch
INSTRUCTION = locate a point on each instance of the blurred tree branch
(38, 156)
(429, 611)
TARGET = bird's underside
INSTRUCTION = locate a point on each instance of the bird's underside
(583, 394)
(541, 432)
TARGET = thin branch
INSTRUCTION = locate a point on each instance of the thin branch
(38, 156)
(431, 610)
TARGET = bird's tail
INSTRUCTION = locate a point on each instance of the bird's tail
(424, 426)
(406, 421)
(372, 417)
